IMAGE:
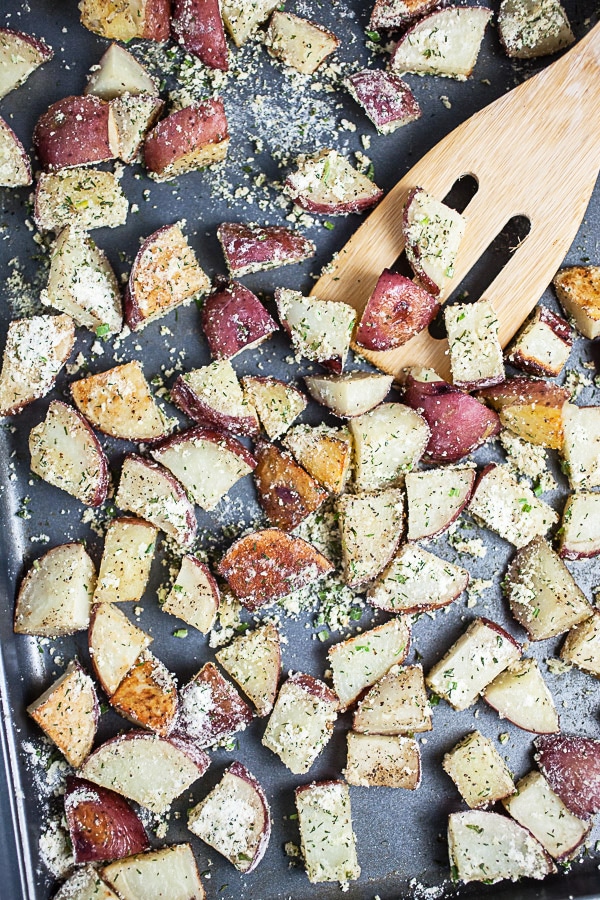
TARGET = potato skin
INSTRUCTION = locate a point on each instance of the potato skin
(234, 318)
(102, 825)
(286, 492)
(73, 132)
(197, 25)
(184, 132)
(396, 311)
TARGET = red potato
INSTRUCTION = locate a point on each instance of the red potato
(256, 248)
(83, 198)
(131, 118)
(436, 498)
(393, 14)
(15, 168)
(20, 55)
(127, 556)
(543, 345)
(169, 872)
(210, 709)
(234, 319)
(147, 695)
(253, 660)
(194, 596)
(325, 453)
(114, 645)
(117, 73)
(458, 422)
(571, 766)
(319, 330)
(165, 274)
(150, 491)
(146, 768)
(326, 184)
(212, 395)
(266, 565)
(278, 404)
(190, 138)
(531, 408)
(386, 99)
(102, 825)
(197, 25)
(416, 581)
(65, 452)
(520, 695)
(396, 311)
(74, 131)
(128, 19)
(286, 492)
(446, 42)
(433, 233)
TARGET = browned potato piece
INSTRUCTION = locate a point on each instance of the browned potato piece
(210, 709)
(578, 289)
(530, 408)
(127, 19)
(147, 696)
(324, 452)
(286, 492)
(189, 138)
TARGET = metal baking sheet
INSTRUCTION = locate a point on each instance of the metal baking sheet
(400, 835)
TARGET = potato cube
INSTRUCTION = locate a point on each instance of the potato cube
(582, 645)
(126, 560)
(378, 760)
(327, 839)
(478, 771)
(320, 330)
(578, 289)
(543, 345)
(581, 448)
(254, 660)
(475, 351)
(276, 402)
(388, 442)
(530, 28)
(395, 705)
(417, 580)
(580, 527)
(242, 17)
(298, 43)
(324, 452)
(371, 527)
(360, 661)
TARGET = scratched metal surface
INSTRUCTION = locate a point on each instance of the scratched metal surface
(401, 844)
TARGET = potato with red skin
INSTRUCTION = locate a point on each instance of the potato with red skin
(529, 407)
(266, 565)
(189, 138)
(210, 709)
(197, 25)
(20, 55)
(256, 248)
(234, 319)
(393, 14)
(458, 422)
(571, 766)
(102, 825)
(386, 99)
(286, 492)
(74, 131)
(212, 395)
(15, 168)
(128, 19)
(396, 311)
(325, 183)
(131, 118)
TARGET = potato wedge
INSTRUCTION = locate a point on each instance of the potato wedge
(436, 497)
(286, 492)
(212, 395)
(114, 644)
(579, 533)
(327, 840)
(360, 661)
(478, 771)
(194, 596)
(85, 884)
(131, 117)
(386, 99)
(350, 395)
(530, 408)
(126, 559)
(74, 131)
(278, 404)
(475, 351)
(446, 42)
(187, 139)
(578, 289)
(571, 766)
(396, 311)
(128, 19)
(119, 73)
(530, 28)
(320, 330)
(20, 55)
(393, 14)
(543, 345)
(581, 447)
(371, 528)
(433, 233)
(521, 695)
(197, 25)
(242, 17)
(379, 760)
(397, 704)
(253, 660)
(388, 442)
(102, 825)
(582, 645)
(210, 709)
(324, 452)
(326, 184)
(15, 168)
(234, 319)
(84, 198)
(299, 43)
(168, 872)
(147, 695)
(258, 248)
(416, 581)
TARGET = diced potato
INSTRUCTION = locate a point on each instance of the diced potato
(473, 661)
(302, 722)
(212, 394)
(446, 42)
(242, 17)
(210, 709)
(360, 661)
(433, 233)
(475, 351)
(509, 508)
(320, 330)
(234, 320)
(578, 289)
(127, 19)
(582, 645)
(286, 492)
(85, 884)
(251, 248)
(83, 197)
(542, 593)
(326, 184)
(299, 43)
(349, 395)
(254, 660)
(386, 99)
(15, 167)
(485, 846)
(531, 408)
(521, 695)
(397, 704)
(194, 596)
(147, 695)
(327, 840)
(388, 442)
(580, 527)
(118, 73)
(132, 116)
(371, 527)
(324, 452)
(126, 560)
(20, 55)
(114, 645)
(543, 345)
(581, 448)
(68, 713)
(378, 760)
(189, 138)
(168, 872)
(436, 497)
(538, 809)
(478, 771)
(392, 14)
(531, 28)
(276, 403)
(417, 580)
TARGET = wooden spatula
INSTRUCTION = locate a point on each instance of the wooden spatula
(534, 152)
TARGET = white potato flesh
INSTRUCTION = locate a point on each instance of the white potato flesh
(170, 872)
(543, 595)
(360, 661)
(488, 847)
(85, 884)
(581, 448)
(83, 197)
(521, 695)
(478, 771)
(276, 403)
(580, 535)
(15, 169)
(115, 644)
(481, 653)
(538, 809)
(538, 348)
(397, 704)
(68, 713)
(349, 395)
(446, 42)
(377, 760)
(578, 289)
(324, 452)
(530, 28)
(126, 560)
(299, 43)
(417, 580)
(55, 597)
(254, 661)
(36, 350)
(476, 356)
(151, 492)
(81, 283)
(388, 442)
(217, 387)
(509, 508)
(371, 527)
(582, 645)
(119, 403)
(436, 498)
(145, 768)
(64, 452)
(20, 55)
(207, 469)
(320, 330)
(433, 234)
(242, 17)
(326, 183)
(194, 596)
(119, 72)
(301, 722)
(131, 117)
(327, 839)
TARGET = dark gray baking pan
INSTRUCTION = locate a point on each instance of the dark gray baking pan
(400, 835)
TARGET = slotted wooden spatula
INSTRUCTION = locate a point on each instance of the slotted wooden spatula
(534, 152)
